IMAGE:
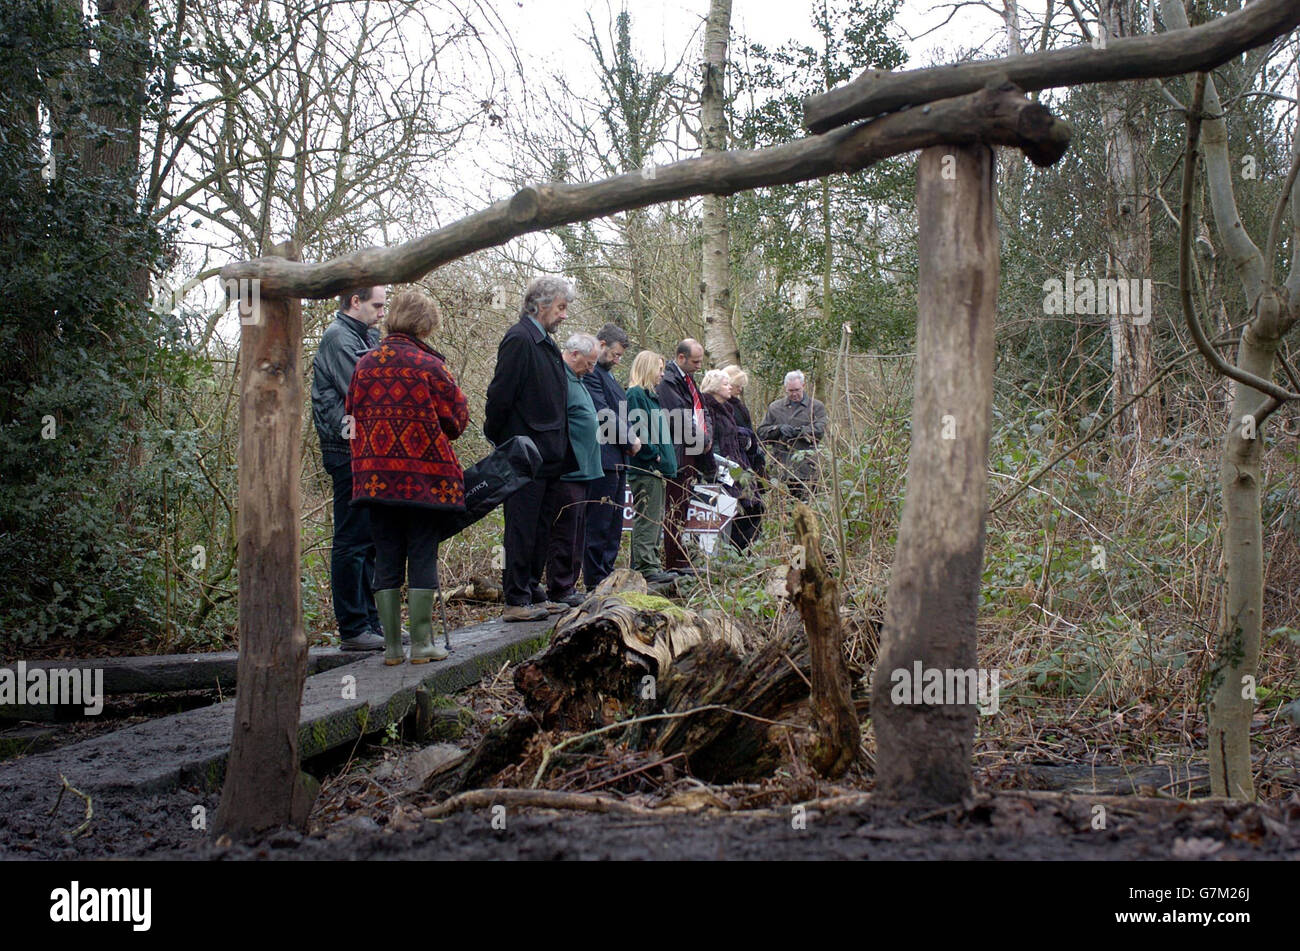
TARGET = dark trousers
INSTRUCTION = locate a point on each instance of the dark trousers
(404, 534)
(677, 499)
(568, 537)
(529, 514)
(352, 557)
(746, 523)
(604, 526)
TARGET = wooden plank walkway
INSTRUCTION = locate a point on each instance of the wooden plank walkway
(158, 673)
(190, 749)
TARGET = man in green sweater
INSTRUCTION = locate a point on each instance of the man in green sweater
(568, 535)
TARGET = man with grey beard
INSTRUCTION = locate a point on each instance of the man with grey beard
(528, 396)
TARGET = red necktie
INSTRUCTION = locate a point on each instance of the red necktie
(700, 422)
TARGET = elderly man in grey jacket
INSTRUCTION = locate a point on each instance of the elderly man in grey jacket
(352, 555)
(793, 423)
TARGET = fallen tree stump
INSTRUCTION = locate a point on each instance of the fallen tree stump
(743, 741)
(605, 658)
(633, 669)
(502, 746)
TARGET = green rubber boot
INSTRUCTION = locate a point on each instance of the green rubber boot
(388, 603)
(423, 650)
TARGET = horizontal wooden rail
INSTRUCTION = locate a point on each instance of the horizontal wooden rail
(997, 115)
(876, 92)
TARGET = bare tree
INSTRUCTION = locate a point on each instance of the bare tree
(333, 126)
(1275, 309)
(719, 334)
(1128, 247)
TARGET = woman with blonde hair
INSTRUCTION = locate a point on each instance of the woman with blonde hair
(646, 471)
(407, 409)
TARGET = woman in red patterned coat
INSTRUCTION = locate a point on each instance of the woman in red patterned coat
(406, 409)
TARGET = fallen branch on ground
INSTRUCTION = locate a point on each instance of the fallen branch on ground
(545, 799)
(90, 811)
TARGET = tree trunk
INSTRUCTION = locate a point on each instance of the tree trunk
(1237, 644)
(1013, 186)
(67, 91)
(262, 788)
(815, 591)
(117, 97)
(719, 334)
(1128, 255)
(924, 749)
(636, 238)
(1236, 654)
(996, 115)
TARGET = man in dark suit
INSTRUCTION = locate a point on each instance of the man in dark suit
(605, 514)
(528, 397)
(684, 407)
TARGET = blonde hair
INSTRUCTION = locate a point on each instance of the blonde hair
(739, 378)
(714, 381)
(413, 312)
(645, 368)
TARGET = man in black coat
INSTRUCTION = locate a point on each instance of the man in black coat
(684, 408)
(605, 515)
(352, 551)
(528, 397)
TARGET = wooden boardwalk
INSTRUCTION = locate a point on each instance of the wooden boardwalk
(158, 673)
(190, 749)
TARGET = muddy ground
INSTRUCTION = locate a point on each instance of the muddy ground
(994, 825)
(372, 806)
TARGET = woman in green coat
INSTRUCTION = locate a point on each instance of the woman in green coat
(647, 470)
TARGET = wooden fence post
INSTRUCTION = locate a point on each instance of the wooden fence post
(924, 748)
(262, 788)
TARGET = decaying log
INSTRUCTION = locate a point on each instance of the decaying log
(645, 673)
(502, 746)
(1141, 57)
(998, 115)
(606, 656)
(817, 595)
(720, 746)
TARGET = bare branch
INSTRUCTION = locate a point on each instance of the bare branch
(1001, 116)
(1140, 57)
(1279, 211)
(1185, 263)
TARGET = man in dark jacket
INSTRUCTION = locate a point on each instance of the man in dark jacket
(795, 424)
(605, 515)
(352, 556)
(528, 396)
(681, 401)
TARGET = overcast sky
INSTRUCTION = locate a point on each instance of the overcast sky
(547, 37)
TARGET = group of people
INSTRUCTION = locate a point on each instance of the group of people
(388, 410)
